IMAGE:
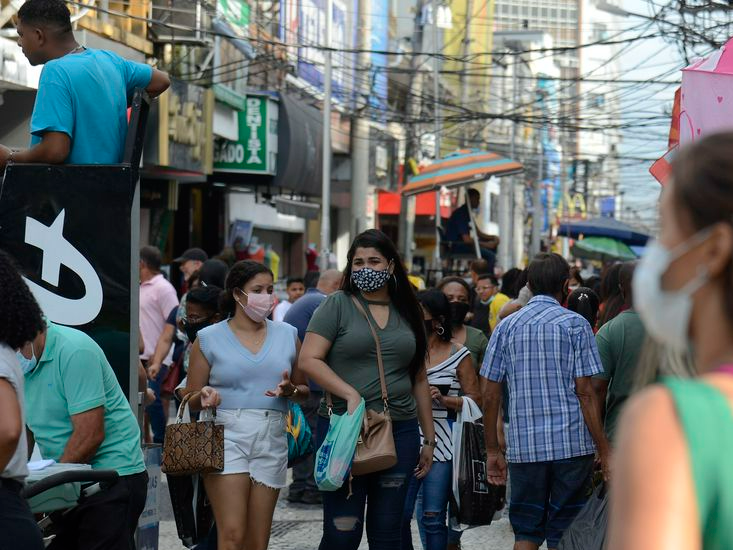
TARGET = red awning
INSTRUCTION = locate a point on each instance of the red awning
(389, 205)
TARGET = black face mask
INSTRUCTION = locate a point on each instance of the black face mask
(458, 312)
(191, 329)
(428, 327)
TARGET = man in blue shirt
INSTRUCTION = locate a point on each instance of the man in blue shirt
(303, 489)
(458, 232)
(80, 114)
(547, 354)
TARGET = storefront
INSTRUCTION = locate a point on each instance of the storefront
(178, 207)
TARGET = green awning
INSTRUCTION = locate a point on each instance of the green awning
(603, 249)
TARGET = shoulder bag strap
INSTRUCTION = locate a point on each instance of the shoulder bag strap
(380, 364)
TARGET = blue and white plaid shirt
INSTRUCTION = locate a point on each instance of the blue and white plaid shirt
(541, 350)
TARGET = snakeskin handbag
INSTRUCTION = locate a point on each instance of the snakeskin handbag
(193, 447)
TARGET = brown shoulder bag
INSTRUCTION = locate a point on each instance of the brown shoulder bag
(375, 449)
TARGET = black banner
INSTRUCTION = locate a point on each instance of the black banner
(69, 228)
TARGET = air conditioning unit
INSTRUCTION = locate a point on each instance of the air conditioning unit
(181, 22)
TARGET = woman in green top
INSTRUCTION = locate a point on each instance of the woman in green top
(339, 354)
(673, 479)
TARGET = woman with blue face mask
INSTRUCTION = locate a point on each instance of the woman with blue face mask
(672, 478)
(340, 354)
(20, 323)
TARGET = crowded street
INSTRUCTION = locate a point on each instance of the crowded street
(366, 275)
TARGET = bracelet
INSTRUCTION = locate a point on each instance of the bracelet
(295, 392)
(428, 443)
(11, 156)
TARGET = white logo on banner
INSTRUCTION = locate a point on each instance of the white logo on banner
(57, 251)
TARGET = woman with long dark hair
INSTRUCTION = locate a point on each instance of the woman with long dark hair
(339, 354)
(672, 479)
(246, 366)
(461, 298)
(450, 372)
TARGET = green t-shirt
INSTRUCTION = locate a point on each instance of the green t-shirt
(476, 342)
(73, 376)
(353, 354)
(619, 345)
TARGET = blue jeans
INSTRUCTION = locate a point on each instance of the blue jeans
(385, 492)
(431, 509)
(546, 497)
(155, 409)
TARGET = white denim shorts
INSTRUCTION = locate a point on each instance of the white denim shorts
(255, 443)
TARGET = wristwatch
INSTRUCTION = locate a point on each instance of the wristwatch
(295, 392)
(428, 443)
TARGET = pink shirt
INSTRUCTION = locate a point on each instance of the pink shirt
(157, 300)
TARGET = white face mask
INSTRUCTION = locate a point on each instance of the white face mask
(666, 314)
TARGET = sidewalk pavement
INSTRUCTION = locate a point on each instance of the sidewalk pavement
(298, 527)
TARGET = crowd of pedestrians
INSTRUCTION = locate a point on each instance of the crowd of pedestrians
(562, 367)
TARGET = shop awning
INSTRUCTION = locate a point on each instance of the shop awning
(461, 168)
(389, 205)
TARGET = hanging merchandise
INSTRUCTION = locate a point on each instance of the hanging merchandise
(272, 261)
(474, 501)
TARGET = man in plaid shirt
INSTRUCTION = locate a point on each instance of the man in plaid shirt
(547, 354)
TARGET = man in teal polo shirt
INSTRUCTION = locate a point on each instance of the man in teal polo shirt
(77, 413)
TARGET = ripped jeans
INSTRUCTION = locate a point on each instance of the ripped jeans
(385, 493)
(431, 507)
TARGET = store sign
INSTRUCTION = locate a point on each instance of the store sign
(235, 12)
(71, 236)
(255, 152)
(182, 118)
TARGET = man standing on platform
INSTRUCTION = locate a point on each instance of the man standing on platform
(80, 114)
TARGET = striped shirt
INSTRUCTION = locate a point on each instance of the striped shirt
(540, 351)
(445, 374)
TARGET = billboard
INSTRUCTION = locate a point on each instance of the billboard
(303, 29)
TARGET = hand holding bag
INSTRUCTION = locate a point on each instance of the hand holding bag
(375, 449)
(193, 447)
(474, 501)
(334, 456)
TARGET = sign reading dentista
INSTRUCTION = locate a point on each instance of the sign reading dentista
(255, 152)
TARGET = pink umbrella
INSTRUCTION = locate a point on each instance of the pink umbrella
(707, 95)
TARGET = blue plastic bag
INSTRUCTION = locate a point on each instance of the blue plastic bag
(336, 453)
(300, 437)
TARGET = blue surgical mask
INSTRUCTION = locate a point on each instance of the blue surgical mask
(27, 365)
(666, 314)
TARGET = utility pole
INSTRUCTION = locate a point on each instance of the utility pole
(360, 129)
(407, 206)
(326, 171)
(436, 125)
(537, 203)
(506, 195)
(464, 55)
